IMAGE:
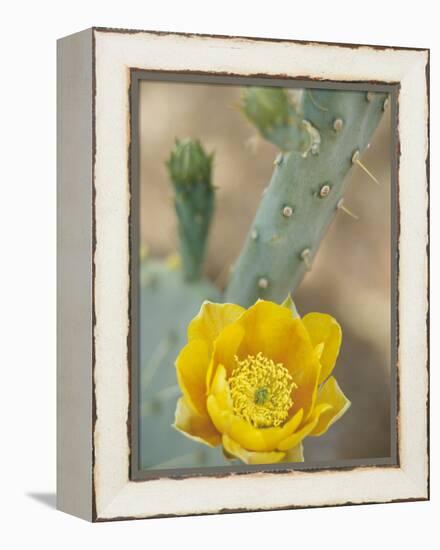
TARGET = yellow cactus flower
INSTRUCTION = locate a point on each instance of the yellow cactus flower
(257, 381)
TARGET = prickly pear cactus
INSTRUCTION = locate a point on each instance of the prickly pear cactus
(170, 296)
(306, 189)
(190, 169)
(319, 142)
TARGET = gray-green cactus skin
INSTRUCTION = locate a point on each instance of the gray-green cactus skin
(189, 168)
(169, 298)
(303, 196)
(168, 302)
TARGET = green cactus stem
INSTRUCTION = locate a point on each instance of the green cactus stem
(304, 194)
(190, 171)
(272, 112)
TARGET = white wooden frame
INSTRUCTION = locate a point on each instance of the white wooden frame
(94, 281)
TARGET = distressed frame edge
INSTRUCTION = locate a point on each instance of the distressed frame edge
(423, 497)
(350, 45)
(427, 257)
(74, 274)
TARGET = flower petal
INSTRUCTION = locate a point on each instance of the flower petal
(307, 381)
(295, 455)
(220, 388)
(225, 349)
(332, 394)
(298, 350)
(211, 320)
(250, 457)
(267, 328)
(296, 438)
(194, 426)
(324, 329)
(290, 305)
(192, 365)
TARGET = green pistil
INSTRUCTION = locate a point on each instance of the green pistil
(261, 396)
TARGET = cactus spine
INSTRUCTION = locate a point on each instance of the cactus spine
(190, 170)
(305, 192)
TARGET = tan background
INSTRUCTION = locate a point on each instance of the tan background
(351, 273)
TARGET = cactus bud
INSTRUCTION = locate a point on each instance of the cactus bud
(189, 167)
(266, 108)
(189, 164)
(272, 112)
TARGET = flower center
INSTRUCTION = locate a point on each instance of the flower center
(261, 391)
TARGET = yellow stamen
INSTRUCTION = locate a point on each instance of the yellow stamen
(261, 391)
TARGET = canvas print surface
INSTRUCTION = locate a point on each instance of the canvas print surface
(265, 280)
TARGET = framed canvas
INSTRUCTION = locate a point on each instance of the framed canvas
(242, 274)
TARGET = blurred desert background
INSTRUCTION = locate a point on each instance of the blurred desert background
(351, 275)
